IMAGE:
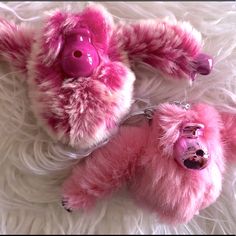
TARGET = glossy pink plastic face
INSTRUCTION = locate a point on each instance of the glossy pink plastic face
(79, 56)
(191, 151)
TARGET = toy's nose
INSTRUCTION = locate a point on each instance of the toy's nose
(79, 56)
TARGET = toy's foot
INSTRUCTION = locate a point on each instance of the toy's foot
(64, 204)
(80, 201)
(203, 65)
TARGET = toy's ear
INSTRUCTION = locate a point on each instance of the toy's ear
(60, 24)
(229, 135)
(100, 22)
(166, 122)
(15, 44)
(52, 35)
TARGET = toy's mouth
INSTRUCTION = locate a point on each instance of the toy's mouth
(197, 161)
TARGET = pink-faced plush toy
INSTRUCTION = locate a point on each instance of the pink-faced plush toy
(78, 67)
(172, 164)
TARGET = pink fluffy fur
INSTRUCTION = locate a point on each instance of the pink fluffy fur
(15, 44)
(143, 158)
(84, 111)
(229, 135)
(152, 42)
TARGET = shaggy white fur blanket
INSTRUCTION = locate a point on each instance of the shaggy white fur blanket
(32, 167)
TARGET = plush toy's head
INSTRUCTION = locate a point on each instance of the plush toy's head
(184, 162)
(78, 67)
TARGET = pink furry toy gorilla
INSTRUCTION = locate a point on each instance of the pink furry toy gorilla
(172, 164)
(78, 67)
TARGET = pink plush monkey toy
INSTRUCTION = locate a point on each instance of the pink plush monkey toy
(78, 67)
(172, 165)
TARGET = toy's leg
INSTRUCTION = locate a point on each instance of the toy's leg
(173, 49)
(15, 44)
(104, 171)
(229, 135)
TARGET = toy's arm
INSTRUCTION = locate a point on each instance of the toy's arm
(173, 49)
(229, 135)
(104, 171)
(15, 44)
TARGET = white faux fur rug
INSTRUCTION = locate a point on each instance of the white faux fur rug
(32, 167)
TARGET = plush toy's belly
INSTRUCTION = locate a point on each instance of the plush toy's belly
(81, 112)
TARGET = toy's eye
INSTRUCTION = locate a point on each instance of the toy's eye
(79, 57)
(200, 153)
(192, 130)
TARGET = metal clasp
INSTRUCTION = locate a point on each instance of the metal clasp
(149, 112)
(184, 105)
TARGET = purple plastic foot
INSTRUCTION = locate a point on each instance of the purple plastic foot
(204, 64)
